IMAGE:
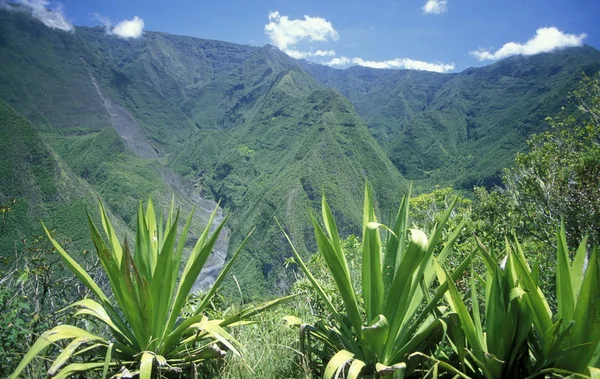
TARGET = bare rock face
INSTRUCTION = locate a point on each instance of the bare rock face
(203, 210)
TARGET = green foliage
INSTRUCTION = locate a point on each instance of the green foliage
(35, 183)
(496, 346)
(147, 333)
(560, 176)
(568, 340)
(377, 336)
(33, 290)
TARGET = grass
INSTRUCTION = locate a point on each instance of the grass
(269, 349)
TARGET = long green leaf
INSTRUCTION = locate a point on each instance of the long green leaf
(112, 267)
(97, 310)
(161, 279)
(542, 316)
(395, 243)
(196, 262)
(152, 232)
(146, 364)
(565, 294)
(587, 315)
(336, 363)
(355, 369)
(110, 233)
(475, 339)
(142, 252)
(341, 275)
(578, 265)
(85, 278)
(107, 359)
(75, 368)
(405, 284)
(372, 276)
(48, 338)
(131, 307)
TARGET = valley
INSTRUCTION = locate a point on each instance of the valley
(252, 129)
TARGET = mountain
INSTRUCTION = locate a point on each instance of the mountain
(205, 121)
(199, 119)
(36, 184)
(66, 88)
(301, 142)
(463, 128)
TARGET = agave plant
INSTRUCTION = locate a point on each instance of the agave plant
(569, 341)
(399, 315)
(497, 348)
(145, 331)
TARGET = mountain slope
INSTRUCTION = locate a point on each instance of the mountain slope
(37, 185)
(460, 128)
(300, 143)
(206, 120)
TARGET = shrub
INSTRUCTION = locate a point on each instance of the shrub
(144, 333)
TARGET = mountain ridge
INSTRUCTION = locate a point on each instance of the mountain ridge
(264, 133)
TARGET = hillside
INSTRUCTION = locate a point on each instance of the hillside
(37, 185)
(299, 144)
(241, 124)
(205, 120)
(460, 129)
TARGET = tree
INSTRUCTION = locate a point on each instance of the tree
(559, 177)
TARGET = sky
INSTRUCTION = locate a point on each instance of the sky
(434, 35)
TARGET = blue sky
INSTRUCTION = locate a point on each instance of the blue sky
(437, 35)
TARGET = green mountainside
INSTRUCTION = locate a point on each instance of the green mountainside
(460, 129)
(299, 143)
(37, 185)
(265, 134)
(200, 119)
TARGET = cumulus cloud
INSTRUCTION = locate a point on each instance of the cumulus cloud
(52, 18)
(545, 40)
(285, 34)
(435, 6)
(129, 28)
(133, 28)
(398, 63)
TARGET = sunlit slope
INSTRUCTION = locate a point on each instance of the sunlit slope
(301, 142)
(462, 128)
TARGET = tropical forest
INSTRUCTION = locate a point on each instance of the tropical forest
(345, 190)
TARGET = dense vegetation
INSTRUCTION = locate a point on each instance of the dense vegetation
(460, 128)
(186, 121)
(444, 290)
(258, 130)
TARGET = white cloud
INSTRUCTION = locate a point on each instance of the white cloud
(397, 63)
(52, 18)
(129, 28)
(307, 54)
(435, 6)
(545, 40)
(133, 28)
(285, 34)
(105, 21)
